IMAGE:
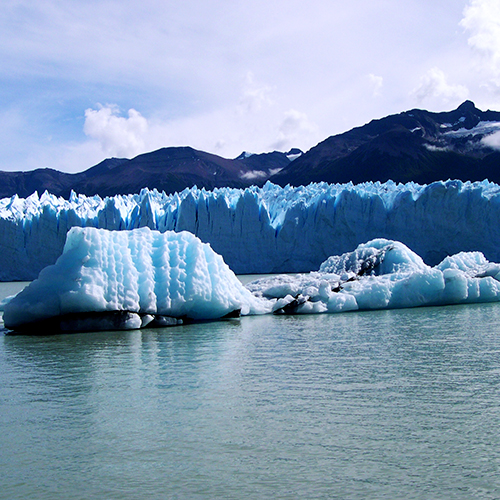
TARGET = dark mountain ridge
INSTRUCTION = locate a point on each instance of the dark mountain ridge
(415, 145)
(168, 169)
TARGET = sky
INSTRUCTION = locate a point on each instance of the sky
(85, 80)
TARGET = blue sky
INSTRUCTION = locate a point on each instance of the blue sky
(84, 80)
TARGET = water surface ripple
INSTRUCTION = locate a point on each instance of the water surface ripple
(398, 404)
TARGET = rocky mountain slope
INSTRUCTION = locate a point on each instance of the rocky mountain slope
(167, 169)
(416, 145)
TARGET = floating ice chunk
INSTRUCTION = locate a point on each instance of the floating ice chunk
(382, 274)
(281, 285)
(369, 293)
(143, 272)
(474, 264)
(422, 288)
(5, 301)
(342, 302)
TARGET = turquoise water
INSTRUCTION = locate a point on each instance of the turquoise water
(385, 404)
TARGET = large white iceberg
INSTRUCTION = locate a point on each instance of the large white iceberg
(269, 229)
(128, 279)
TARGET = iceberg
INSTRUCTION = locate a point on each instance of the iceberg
(269, 229)
(121, 280)
(130, 279)
(382, 274)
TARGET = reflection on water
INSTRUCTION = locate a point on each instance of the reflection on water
(384, 404)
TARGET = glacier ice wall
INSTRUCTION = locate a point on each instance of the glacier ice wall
(269, 229)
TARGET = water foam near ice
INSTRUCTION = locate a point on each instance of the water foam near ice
(269, 229)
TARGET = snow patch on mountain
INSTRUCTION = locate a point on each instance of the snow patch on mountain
(482, 128)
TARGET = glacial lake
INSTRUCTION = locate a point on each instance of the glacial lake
(401, 404)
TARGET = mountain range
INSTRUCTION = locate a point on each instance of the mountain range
(415, 145)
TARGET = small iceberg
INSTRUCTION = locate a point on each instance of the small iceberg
(382, 274)
(119, 280)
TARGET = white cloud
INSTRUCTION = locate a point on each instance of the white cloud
(254, 174)
(117, 135)
(254, 97)
(225, 131)
(481, 18)
(184, 67)
(294, 128)
(492, 140)
(377, 83)
(435, 90)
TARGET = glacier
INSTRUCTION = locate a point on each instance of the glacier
(122, 280)
(269, 229)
